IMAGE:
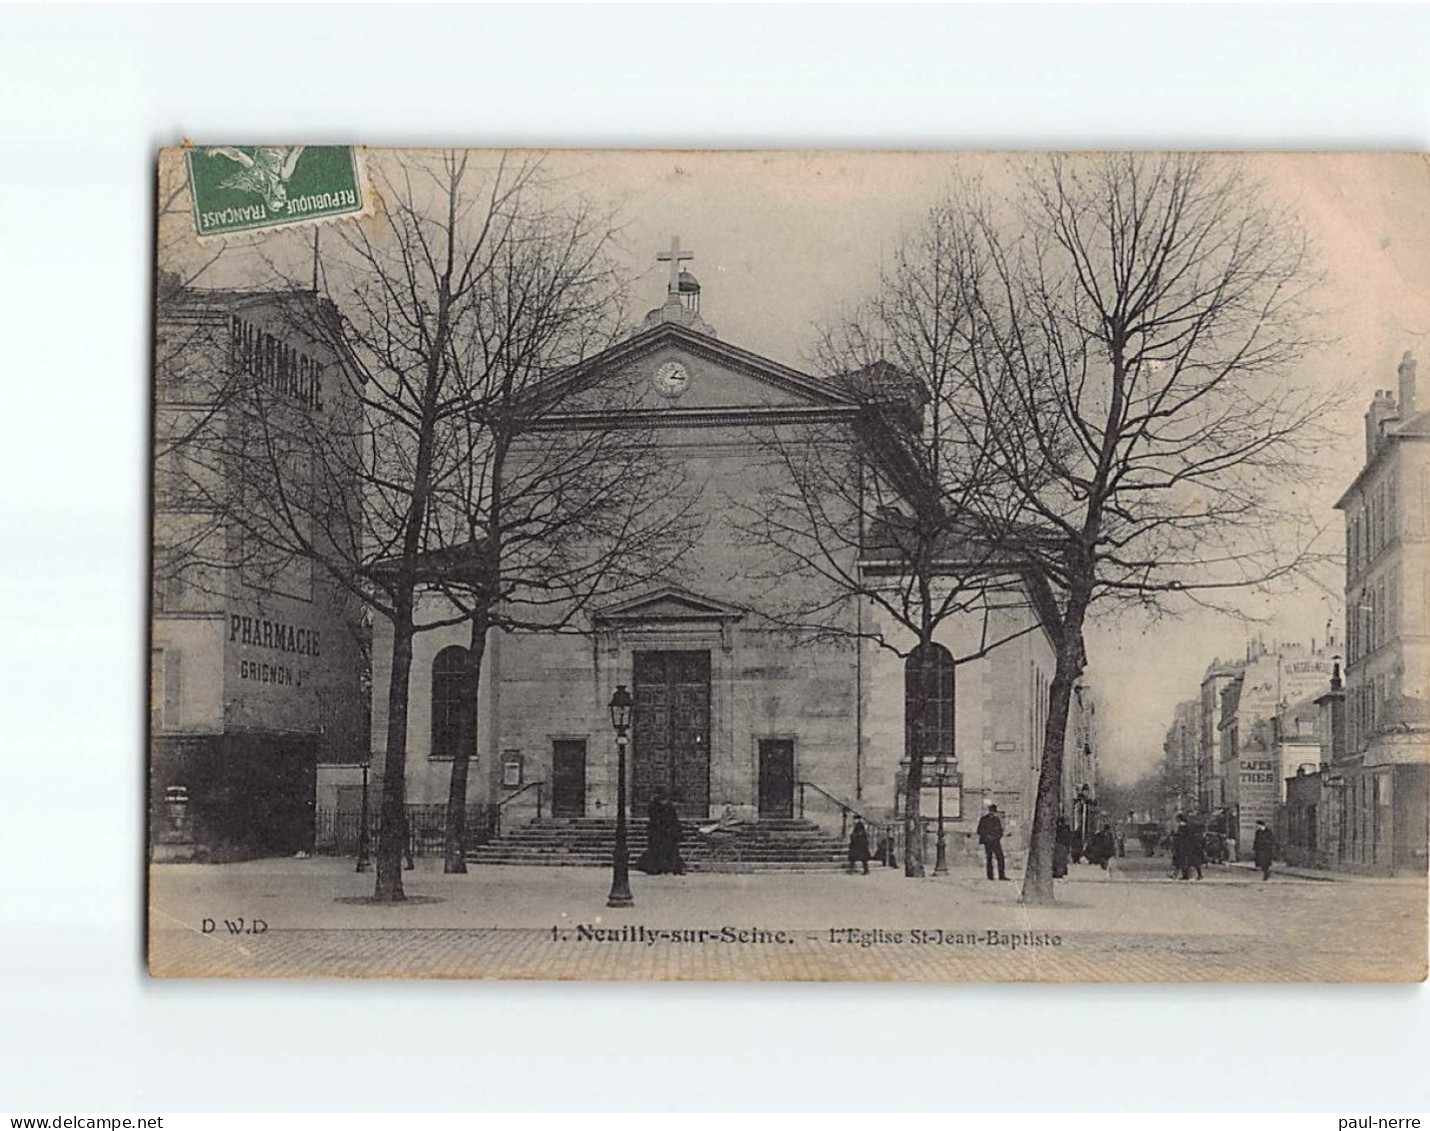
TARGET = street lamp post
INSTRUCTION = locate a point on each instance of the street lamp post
(620, 706)
(941, 773)
(363, 861)
(940, 862)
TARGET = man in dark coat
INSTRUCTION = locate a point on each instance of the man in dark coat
(990, 835)
(1184, 838)
(1101, 848)
(1263, 847)
(859, 846)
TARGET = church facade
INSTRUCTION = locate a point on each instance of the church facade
(734, 709)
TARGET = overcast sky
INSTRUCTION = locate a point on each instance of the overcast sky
(783, 241)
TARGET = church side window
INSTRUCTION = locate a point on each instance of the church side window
(928, 701)
(451, 698)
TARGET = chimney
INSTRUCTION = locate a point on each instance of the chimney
(1406, 370)
(1382, 408)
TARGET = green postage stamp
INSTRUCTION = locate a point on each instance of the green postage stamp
(241, 188)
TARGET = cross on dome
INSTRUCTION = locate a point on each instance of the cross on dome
(682, 297)
(675, 257)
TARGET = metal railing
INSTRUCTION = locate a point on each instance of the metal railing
(337, 831)
(883, 833)
(539, 786)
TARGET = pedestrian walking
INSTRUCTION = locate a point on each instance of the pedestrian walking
(1263, 847)
(990, 835)
(1199, 851)
(1187, 851)
(859, 846)
(1101, 847)
(1214, 847)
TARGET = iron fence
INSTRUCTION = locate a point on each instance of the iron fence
(338, 829)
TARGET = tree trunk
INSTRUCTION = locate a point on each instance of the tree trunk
(1038, 875)
(392, 836)
(454, 847)
(913, 819)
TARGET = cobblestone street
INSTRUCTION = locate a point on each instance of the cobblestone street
(1133, 924)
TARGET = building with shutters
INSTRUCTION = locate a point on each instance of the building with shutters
(1382, 780)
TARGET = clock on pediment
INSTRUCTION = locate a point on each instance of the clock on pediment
(671, 379)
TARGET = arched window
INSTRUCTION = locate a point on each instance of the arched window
(928, 702)
(452, 702)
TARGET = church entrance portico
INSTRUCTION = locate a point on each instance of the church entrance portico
(670, 738)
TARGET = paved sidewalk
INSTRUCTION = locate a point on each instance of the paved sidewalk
(1129, 924)
(1325, 875)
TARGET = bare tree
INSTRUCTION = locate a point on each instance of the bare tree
(901, 512)
(549, 515)
(451, 314)
(1135, 344)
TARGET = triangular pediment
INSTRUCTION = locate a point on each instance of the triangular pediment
(673, 369)
(669, 604)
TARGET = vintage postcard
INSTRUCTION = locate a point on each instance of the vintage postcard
(665, 565)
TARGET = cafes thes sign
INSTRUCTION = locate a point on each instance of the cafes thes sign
(278, 366)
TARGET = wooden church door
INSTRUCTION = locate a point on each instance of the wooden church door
(670, 741)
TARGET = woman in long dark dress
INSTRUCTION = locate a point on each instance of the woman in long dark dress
(662, 852)
(650, 859)
(859, 846)
(674, 863)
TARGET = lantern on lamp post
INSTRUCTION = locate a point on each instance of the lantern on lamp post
(620, 707)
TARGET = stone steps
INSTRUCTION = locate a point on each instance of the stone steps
(588, 842)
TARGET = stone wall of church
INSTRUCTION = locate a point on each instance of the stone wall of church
(555, 688)
(999, 708)
(427, 778)
(839, 703)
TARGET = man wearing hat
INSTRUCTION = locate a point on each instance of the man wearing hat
(990, 835)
